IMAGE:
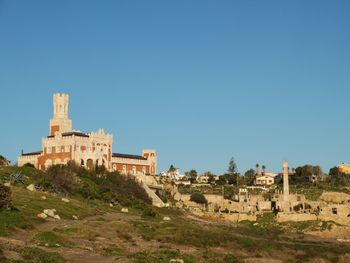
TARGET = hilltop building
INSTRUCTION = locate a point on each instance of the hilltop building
(344, 168)
(63, 144)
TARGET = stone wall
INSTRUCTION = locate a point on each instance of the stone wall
(295, 217)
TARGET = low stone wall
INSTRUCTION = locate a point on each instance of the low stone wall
(335, 197)
(294, 217)
(264, 206)
(238, 217)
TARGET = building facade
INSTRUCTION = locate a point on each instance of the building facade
(63, 144)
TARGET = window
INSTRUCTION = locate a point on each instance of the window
(134, 169)
(334, 211)
(48, 149)
(58, 149)
(67, 148)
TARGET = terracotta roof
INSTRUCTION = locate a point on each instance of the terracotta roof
(128, 156)
(32, 153)
(80, 134)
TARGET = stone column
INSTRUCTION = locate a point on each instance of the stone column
(285, 181)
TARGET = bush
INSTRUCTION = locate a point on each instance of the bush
(5, 197)
(149, 212)
(199, 198)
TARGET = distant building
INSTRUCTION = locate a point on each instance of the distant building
(265, 180)
(344, 168)
(63, 144)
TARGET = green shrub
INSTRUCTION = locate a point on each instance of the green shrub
(149, 212)
(198, 198)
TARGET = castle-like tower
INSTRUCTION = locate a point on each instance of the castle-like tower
(63, 144)
(60, 121)
(285, 181)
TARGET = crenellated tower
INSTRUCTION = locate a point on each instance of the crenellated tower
(60, 121)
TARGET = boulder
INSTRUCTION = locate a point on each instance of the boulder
(111, 205)
(42, 215)
(50, 212)
(176, 260)
(43, 197)
(57, 217)
(125, 210)
(8, 184)
(75, 217)
(31, 188)
(166, 218)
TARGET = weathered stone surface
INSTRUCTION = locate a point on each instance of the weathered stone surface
(295, 217)
(42, 215)
(31, 188)
(50, 212)
(66, 200)
(57, 217)
(335, 197)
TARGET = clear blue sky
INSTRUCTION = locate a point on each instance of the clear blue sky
(200, 81)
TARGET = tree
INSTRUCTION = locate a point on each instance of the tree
(232, 166)
(192, 176)
(249, 177)
(211, 177)
(338, 178)
(264, 169)
(257, 168)
(172, 169)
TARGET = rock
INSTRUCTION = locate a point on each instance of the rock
(8, 184)
(75, 217)
(58, 245)
(176, 260)
(125, 210)
(66, 200)
(88, 248)
(43, 197)
(166, 218)
(111, 205)
(42, 215)
(31, 188)
(57, 217)
(46, 245)
(50, 212)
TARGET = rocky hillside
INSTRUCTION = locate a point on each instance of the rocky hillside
(82, 217)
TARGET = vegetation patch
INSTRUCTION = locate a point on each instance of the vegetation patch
(114, 251)
(50, 239)
(159, 256)
(9, 219)
(37, 255)
(214, 257)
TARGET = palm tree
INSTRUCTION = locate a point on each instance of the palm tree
(257, 168)
(264, 167)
